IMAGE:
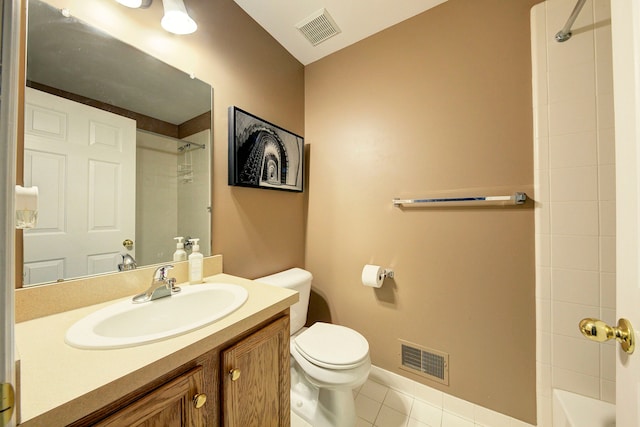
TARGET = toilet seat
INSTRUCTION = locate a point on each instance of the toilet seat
(332, 346)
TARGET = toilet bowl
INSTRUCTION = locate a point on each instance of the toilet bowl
(327, 361)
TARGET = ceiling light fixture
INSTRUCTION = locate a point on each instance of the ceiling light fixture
(176, 20)
(135, 3)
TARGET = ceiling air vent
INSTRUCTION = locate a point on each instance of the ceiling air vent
(318, 27)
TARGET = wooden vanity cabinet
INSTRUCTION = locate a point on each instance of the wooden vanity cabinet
(256, 380)
(173, 404)
(246, 383)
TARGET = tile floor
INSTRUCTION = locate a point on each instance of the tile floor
(380, 406)
(394, 405)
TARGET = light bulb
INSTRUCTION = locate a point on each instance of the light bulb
(130, 3)
(176, 20)
(134, 4)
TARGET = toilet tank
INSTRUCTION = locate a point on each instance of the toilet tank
(299, 280)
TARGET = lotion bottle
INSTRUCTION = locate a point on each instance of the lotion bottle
(180, 254)
(195, 263)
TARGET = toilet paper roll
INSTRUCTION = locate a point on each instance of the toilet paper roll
(372, 275)
(26, 198)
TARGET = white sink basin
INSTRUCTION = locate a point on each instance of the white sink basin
(125, 324)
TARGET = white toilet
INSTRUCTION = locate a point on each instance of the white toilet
(327, 361)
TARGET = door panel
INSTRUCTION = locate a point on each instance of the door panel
(83, 161)
(10, 82)
(625, 20)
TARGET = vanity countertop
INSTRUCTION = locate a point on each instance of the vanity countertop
(60, 383)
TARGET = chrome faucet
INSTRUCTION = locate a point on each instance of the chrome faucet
(161, 286)
(128, 263)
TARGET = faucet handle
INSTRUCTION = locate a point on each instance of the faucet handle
(171, 283)
(161, 273)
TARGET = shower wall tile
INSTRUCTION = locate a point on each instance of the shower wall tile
(608, 290)
(576, 382)
(544, 351)
(545, 414)
(541, 158)
(581, 47)
(575, 218)
(543, 310)
(576, 354)
(602, 13)
(606, 118)
(608, 254)
(576, 286)
(607, 214)
(606, 146)
(604, 61)
(541, 187)
(543, 378)
(539, 56)
(576, 79)
(559, 10)
(540, 121)
(575, 252)
(573, 184)
(576, 230)
(608, 361)
(576, 115)
(608, 391)
(566, 317)
(573, 150)
(607, 182)
(543, 250)
(543, 282)
(543, 218)
(608, 316)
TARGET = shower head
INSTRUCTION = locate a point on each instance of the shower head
(562, 36)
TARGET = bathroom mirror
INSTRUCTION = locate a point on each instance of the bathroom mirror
(118, 144)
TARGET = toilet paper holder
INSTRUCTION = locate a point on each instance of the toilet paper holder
(387, 273)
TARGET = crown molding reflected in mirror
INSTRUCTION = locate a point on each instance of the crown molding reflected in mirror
(148, 178)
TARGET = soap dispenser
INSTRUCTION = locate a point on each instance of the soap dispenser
(195, 262)
(180, 254)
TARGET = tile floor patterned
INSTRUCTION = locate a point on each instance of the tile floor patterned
(404, 403)
(378, 405)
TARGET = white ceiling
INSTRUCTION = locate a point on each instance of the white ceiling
(357, 19)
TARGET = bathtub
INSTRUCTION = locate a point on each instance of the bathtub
(574, 410)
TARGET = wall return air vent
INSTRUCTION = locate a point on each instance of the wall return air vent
(318, 27)
(431, 364)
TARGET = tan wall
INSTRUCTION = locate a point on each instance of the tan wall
(439, 102)
(258, 231)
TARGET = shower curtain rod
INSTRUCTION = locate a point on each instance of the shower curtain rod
(565, 33)
(180, 141)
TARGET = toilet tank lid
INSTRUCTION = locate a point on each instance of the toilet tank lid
(286, 278)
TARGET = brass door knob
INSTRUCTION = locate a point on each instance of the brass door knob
(7, 403)
(127, 243)
(234, 374)
(199, 400)
(597, 330)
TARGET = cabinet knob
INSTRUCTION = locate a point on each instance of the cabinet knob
(199, 400)
(234, 374)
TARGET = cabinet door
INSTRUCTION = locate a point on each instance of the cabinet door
(256, 379)
(170, 405)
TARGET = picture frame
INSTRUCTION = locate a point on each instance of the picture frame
(264, 155)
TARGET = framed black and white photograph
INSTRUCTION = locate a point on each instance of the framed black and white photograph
(263, 155)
